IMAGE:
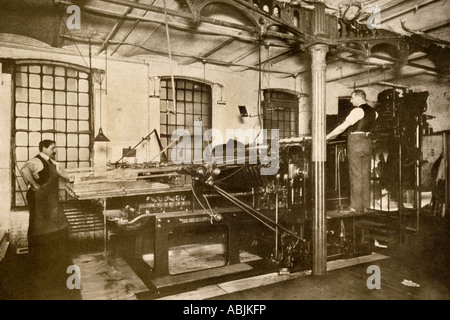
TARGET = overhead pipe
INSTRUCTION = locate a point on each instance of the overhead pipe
(216, 22)
(179, 54)
(113, 31)
(302, 37)
(158, 21)
(408, 63)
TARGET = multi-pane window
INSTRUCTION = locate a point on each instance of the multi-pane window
(51, 102)
(281, 112)
(193, 103)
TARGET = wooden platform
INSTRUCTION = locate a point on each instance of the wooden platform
(340, 214)
(423, 258)
(260, 281)
(190, 277)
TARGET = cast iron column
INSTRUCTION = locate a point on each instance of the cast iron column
(318, 77)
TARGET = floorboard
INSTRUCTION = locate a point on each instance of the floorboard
(423, 258)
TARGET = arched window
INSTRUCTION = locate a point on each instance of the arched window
(51, 101)
(281, 112)
(193, 103)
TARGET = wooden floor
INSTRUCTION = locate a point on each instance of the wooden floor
(266, 279)
(422, 259)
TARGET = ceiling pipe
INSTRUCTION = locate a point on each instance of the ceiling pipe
(369, 69)
(395, 60)
(383, 83)
(301, 37)
(241, 27)
(386, 83)
(379, 68)
(158, 21)
(210, 52)
(113, 31)
(164, 53)
(190, 17)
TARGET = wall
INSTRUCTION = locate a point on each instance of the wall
(129, 108)
(5, 160)
(17, 221)
(235, 89)
(130, 104)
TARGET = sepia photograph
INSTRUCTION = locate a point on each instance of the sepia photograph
(225, 155)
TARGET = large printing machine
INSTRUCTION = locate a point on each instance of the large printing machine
(155, 208)
(161, 206)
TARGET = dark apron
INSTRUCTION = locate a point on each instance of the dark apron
(46, 214)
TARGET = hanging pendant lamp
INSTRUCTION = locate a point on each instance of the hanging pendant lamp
(100, 136)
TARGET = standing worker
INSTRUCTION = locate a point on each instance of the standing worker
(359, 149)
(47, 230)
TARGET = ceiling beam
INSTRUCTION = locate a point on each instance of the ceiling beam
(210, 52)
(127, 16)
(245, 55)
(384, 82)
(435, 26)
(294, 35)
(114, 30)
(254, 30)
(407, 10)
(164, 53)
(282, 56)
(125, 37)
(400, 61)
(279, 57)
(410, 63)
(178, 26)
(188, 16)
(353, 74)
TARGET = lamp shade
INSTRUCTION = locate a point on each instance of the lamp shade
(101, 137)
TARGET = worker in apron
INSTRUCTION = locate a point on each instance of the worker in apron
(47, 231)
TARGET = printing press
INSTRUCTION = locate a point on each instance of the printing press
(155, 213)
(189, 222)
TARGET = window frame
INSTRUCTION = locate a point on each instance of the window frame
(195, 94)
(289, 103)
(75, 75)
